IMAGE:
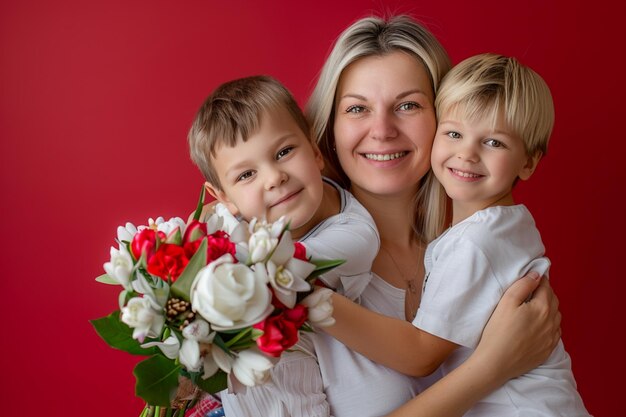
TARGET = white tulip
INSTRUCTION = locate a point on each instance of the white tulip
(169, 226)
(141, 315)
(126, 233)
(170, 346)
(261, 244)
(218, 359)
(199, 330)
(120, 267)
(229, 295)
(251, 367)
(189, 355)
(228, 222)
(320, 307)
(286, 274)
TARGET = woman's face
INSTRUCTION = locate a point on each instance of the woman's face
(384, 123)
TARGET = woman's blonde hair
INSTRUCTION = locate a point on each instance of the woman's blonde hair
(375, 36)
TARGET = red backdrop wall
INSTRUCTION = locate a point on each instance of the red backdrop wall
(95, 102)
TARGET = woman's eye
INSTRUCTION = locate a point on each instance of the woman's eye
(355, 109)
(284, 152)
(454, 135)
(411, 105)
(494, 143)
(245, 175)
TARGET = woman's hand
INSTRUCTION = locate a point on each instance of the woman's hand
(523, 330)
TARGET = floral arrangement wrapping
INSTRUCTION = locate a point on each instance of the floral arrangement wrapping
(213, 303)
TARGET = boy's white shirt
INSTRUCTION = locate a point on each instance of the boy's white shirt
(350, 235)
(468, 268)
(297, 387)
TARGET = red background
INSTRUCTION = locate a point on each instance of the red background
(95, 101)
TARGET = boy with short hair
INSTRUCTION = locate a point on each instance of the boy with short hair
(252, 143)
(495, 119)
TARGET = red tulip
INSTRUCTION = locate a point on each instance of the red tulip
(145, 241)
(168, 262)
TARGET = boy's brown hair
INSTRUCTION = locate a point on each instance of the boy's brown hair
(232, 112)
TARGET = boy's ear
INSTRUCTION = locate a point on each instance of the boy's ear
(531, 165)
(221, 196)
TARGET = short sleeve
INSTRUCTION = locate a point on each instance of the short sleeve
(353, 240)
(460, 293)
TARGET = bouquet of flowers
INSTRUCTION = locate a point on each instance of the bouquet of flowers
(213, 302)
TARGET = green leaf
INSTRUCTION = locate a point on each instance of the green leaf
(182, 287)
(118, 335)
(200, 206)
(175, 238)
(214, 383)
(106, 279)
(323, 266)
(157, 380)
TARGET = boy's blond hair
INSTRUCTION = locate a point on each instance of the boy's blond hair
(232, 112)
(495, 86)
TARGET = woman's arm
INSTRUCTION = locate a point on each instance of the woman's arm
(519, 337)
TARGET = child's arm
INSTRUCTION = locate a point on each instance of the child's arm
(394, 343)
(519, 337)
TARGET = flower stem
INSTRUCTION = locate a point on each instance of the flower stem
(238, 337)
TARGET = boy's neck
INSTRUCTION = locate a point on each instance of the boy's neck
(329, 206)
(461, 210)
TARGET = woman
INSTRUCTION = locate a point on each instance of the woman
(372, 116)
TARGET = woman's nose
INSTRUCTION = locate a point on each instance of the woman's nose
(383, 126)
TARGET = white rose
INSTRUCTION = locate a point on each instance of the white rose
(120, 268)
(229, 295)
(251, 367)
(142, 315)
(320, 307)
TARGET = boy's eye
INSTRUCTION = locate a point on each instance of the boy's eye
(454, 135)
(245, 175)
(408, 106)
(284, 152)
(494, 143)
